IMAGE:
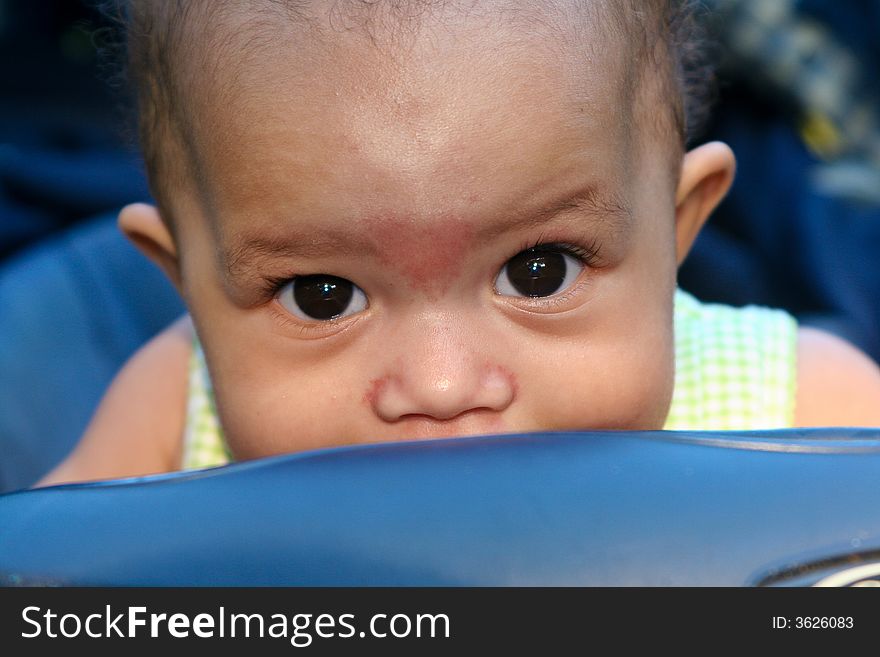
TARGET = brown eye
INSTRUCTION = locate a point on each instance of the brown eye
(538, 272)
(322, 297)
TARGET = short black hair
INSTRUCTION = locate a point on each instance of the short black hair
(667, 66)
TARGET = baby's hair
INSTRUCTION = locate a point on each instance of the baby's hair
(667, 69)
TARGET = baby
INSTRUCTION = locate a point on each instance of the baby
(396, 220)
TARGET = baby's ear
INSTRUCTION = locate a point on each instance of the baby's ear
(706, 175)
(142, 224)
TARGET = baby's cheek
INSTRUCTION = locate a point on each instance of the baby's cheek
(650, 381)
(640, 371)
(646, 397)
(290, 414)
(627, 389)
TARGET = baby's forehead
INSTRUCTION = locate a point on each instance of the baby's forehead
(416, 82)
(355, 43)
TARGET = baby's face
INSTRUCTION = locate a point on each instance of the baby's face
(465, 240)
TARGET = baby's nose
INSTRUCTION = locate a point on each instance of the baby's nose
(441, 373)
(442, 396)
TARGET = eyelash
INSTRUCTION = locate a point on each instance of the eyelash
(270, 286)
(311, 329)
(588, 255)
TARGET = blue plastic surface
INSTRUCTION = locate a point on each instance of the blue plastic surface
(651, 508)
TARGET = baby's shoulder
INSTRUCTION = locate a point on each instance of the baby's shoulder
(837, 384)
(173, 346)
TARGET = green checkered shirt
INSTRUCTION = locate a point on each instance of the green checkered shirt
(203, 443)
(735, 370)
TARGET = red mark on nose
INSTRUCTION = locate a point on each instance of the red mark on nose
(509, 376)
(426, 253)
(375, 389)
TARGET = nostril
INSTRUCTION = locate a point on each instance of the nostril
(440, 417)
(450, 418)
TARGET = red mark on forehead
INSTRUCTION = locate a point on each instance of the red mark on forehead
(426, 253)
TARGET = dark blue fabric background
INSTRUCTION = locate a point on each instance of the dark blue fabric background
(777, 240)
(75, 299)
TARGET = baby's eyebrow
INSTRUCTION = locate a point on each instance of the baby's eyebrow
(245, 252)
(600, 207)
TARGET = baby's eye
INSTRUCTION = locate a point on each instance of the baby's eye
(322, 297)
(538, 272)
